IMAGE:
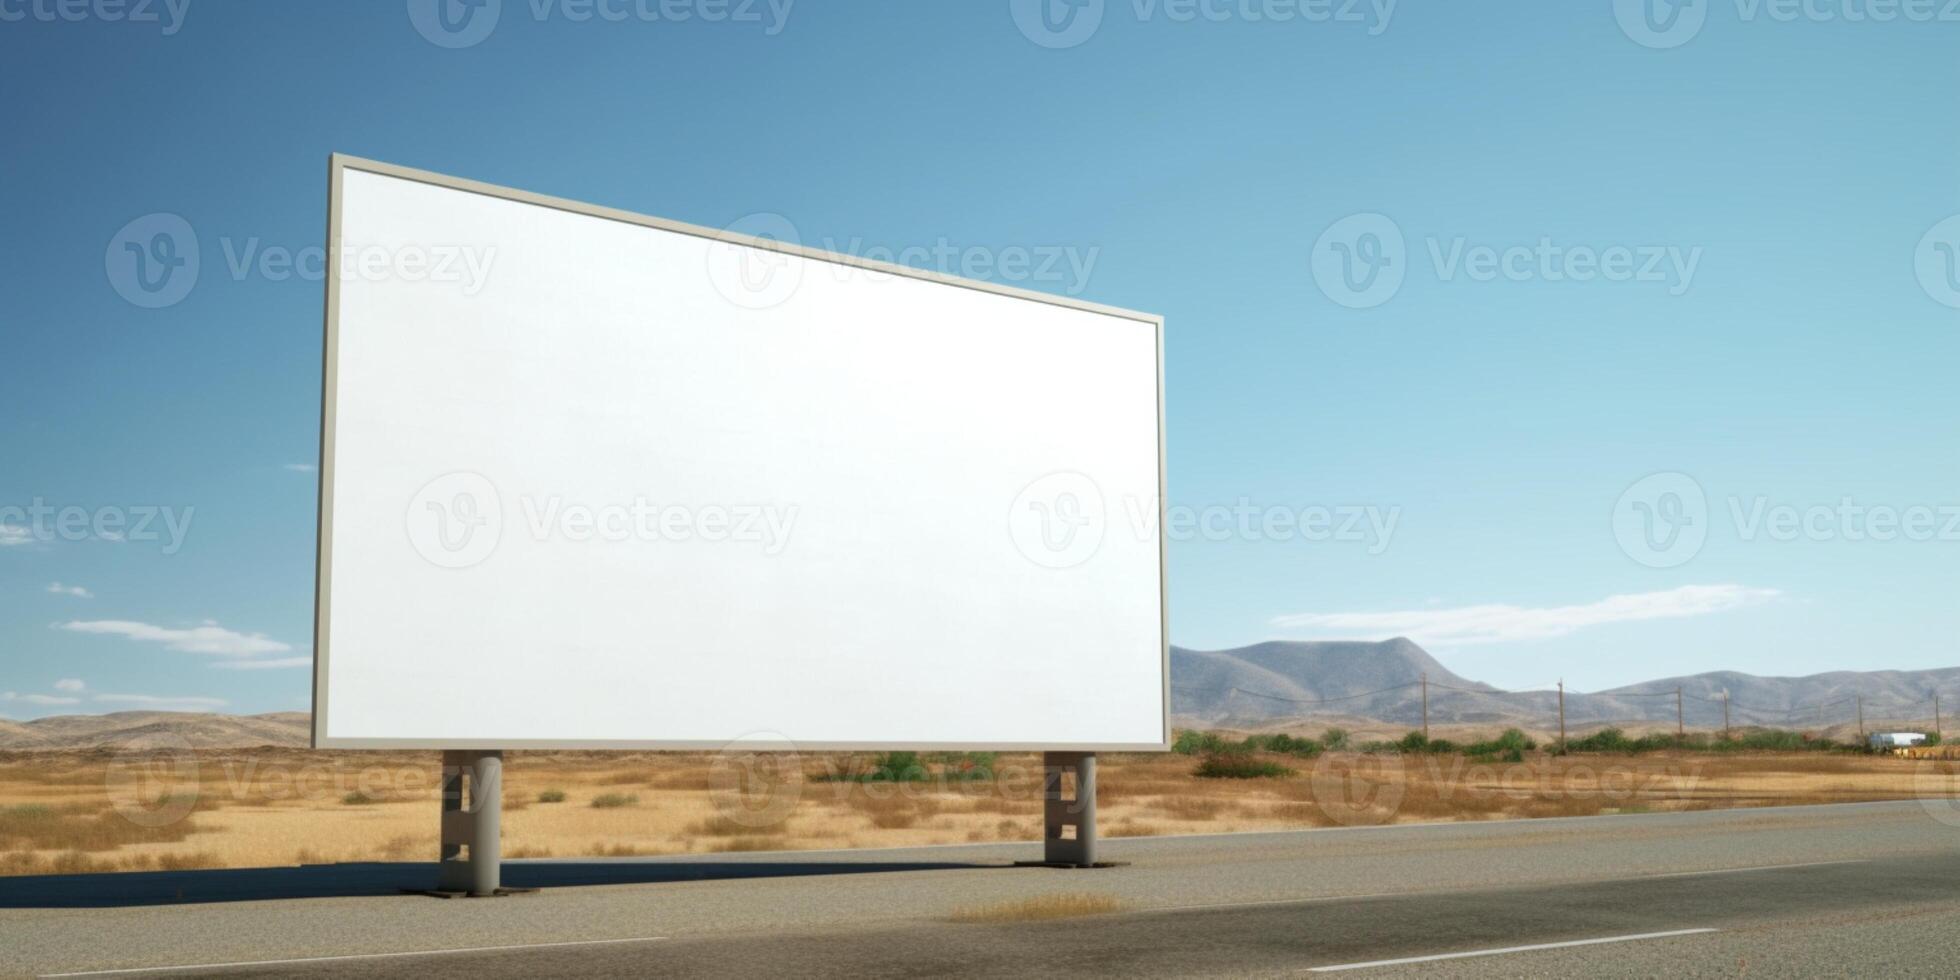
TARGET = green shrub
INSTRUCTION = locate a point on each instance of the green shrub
(610, 801)
(1780, 740)
(552, 796)
(1604, 740)
(1239, 765)
(1413, 743)
(1509, 747)
(357, 798)
(898, 767)
(1281, 743)
(964, 766)
(1335, 739)
(1190, 741)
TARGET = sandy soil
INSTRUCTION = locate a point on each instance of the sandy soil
(100, 811)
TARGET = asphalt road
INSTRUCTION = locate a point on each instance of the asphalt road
(1799, 892)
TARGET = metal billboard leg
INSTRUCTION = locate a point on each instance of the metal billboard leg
(1060, 815)
(472, 821)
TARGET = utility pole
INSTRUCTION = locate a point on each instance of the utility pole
(1937, 733)
(1726, 736)
(1425, 706)
(1861, 718)
(1561, 716)
(1680, 717)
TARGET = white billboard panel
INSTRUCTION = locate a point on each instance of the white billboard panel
(592, 479)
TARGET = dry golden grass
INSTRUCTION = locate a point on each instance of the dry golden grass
(1065, 905)
(65, 811)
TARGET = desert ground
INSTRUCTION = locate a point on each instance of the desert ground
(98, 810)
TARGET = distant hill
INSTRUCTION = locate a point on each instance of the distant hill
(146, 729)
(1267, 685)
(1279, 682)
(1271, 680)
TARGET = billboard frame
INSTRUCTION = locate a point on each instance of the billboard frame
(339, 164)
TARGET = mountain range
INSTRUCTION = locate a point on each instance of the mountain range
(1281, 682)
(1271, 685)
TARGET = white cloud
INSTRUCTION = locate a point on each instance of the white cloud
(69, 684)
(1466, 625)
(264, 664)
(301, 468)
(38, 698)
(207, 637)
(12, 535)
(160, 702)
(77, 591)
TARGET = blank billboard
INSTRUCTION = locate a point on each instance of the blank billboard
(592, 479)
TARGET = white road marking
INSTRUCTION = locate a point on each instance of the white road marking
(1510, 949)
(1760, 867)
(354, 956)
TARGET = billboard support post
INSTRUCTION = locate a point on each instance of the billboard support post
(1061, 814)
(472, 818)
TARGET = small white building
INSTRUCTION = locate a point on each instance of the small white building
(1882, 741)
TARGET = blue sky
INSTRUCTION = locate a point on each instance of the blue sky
(1716, 251)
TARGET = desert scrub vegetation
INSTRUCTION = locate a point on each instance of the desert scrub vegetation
(1192, 742)
(912, 767)
(81, 828)
(552, 796)
(251, 810)
(722, 825)
(1614, 741)
(1239, 765)
(1508, 747)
